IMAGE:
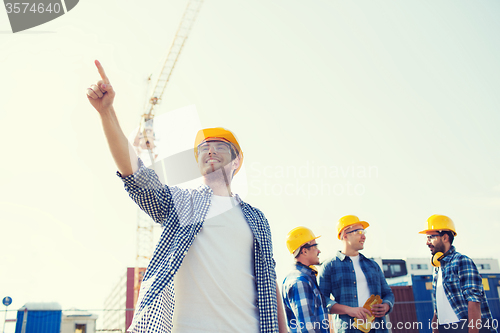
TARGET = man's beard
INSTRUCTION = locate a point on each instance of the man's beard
(218, 175)
(438, 248)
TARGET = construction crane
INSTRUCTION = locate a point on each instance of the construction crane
(144, 142)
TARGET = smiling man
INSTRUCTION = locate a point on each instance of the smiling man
(304, 304)
(460, 304)
(214, 261)
(351, 279)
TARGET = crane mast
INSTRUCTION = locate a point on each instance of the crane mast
(144, 142)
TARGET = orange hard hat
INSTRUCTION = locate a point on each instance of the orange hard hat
(218, 133)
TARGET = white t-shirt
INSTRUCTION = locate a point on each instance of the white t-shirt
(445, 312)
(215, 289)
(361, 283)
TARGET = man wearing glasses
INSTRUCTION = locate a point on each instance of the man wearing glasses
(304, 304)
(460, 304)
(214, 260)
(351, 279)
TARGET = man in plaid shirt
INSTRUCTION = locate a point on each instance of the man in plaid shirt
(460, 304)
(214, 260)
(304, 305)
(351, 279)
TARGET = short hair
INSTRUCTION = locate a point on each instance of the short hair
(298, 252)
(234, 154)
(234, 151)
(344, 232)
(449, 233)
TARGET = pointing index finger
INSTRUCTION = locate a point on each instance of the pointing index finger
(100, 69)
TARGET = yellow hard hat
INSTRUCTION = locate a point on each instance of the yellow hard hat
(439, 222)
(217, 133)
(348, 220)
(298, 237)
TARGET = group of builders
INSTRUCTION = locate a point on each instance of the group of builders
(354, 289)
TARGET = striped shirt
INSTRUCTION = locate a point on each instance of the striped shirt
(182, 212)
(304, 304)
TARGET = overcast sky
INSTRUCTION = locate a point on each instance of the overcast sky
(388, 110)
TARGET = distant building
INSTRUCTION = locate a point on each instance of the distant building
(119, 305)
(49, 318)
(39, 317)
(77, 321)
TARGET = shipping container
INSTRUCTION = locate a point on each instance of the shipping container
(491, 285)
(422, 286)
(40, 318)
(403, 317)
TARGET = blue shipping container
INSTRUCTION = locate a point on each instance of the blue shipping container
(493, 285)
(40, 321)
(422, 285)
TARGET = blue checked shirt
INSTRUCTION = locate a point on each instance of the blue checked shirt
(462, 283)
(337, 278)
(305, 306)
(182, 212)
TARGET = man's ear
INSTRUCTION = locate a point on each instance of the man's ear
(446, 238)
(236, 162)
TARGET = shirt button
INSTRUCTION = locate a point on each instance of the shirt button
(185, 252)
(354, 282)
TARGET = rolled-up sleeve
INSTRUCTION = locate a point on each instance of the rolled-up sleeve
(470, 281)
(145, 188)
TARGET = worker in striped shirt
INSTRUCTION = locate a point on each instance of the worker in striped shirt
(459, 300)
(204, 229)
(305, 306)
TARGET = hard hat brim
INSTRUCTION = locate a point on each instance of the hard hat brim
(429, 230)
(298, 247)
(363, 223)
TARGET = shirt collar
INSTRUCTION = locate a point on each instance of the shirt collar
(204, 189)
(306, 269)
(449, 254)
(342, 256)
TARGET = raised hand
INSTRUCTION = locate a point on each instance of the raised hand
(101, 94)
